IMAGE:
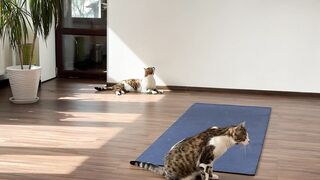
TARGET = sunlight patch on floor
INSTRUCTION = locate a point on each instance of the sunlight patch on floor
(111, 97)
(56, 136)
(99, 117)
(39, 164)
(68, 140)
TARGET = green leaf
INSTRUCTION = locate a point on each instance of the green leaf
(15, 19)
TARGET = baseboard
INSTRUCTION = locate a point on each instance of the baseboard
(49, 79)
(242, 91)
(5, 82)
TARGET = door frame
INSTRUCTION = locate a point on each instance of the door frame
(60, 31)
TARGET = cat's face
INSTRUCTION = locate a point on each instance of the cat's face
(149, 71)
(240, 134)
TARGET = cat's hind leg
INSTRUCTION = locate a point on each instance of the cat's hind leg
(206, 172)
(194, 176)
(205, 175)
(119, 89)
(205, 163)
(117, 93)
(169, 177)
(120, 92)
(211, 174)
(104, 88)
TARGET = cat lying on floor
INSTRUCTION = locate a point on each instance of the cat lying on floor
(145, 85)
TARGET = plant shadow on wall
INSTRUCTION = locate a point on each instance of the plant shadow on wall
(18, 19)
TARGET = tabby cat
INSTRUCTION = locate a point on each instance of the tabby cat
(145, 85)
(192, 158)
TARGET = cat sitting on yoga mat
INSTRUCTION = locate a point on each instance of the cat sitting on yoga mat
(145, 85)
(192, 158)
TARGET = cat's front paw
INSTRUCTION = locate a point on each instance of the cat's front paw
(147, 91)
(160, 91)
(214, 176)
(156, 91)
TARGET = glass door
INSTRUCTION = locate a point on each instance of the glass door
(81, 39)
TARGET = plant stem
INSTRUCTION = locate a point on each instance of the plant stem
(32, 49)
(20, 55)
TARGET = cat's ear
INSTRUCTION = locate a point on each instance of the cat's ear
(242, 124)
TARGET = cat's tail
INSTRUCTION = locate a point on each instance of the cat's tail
(104, 88)
(158, 169)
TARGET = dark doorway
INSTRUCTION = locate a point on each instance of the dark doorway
(81, 39)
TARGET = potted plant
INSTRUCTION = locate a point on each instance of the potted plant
(16, 20)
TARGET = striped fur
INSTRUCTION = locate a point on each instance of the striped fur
(150, 167)
(104, 88)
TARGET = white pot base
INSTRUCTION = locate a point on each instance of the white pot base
(28, 101)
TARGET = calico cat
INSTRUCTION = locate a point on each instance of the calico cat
(145, 85)
(192, 158)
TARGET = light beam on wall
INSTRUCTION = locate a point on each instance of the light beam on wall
(128, 63)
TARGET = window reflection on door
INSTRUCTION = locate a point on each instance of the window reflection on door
(84, 14)
(86, 8)
(84, 53)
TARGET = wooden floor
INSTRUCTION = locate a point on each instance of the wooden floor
(75, 133)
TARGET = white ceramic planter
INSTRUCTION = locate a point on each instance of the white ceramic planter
(24, 83)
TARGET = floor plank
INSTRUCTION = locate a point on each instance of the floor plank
(75, 133)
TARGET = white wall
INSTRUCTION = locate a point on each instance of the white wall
(5, 57)
(241, 44)
(47, 56)
(3, 54)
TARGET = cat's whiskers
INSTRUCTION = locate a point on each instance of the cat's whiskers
(245, 151)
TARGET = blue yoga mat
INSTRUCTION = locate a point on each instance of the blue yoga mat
(199, 117)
